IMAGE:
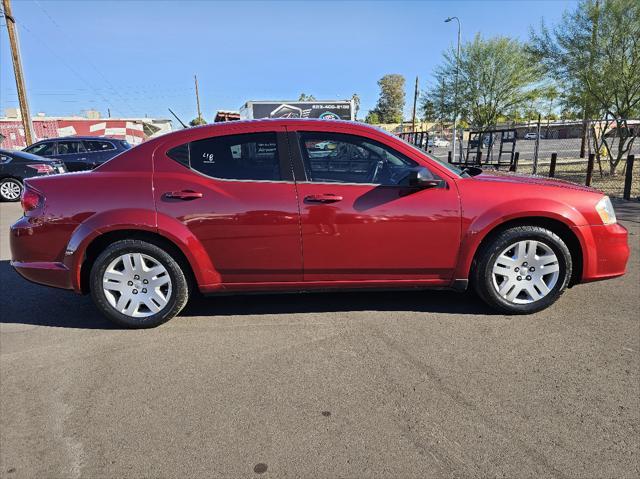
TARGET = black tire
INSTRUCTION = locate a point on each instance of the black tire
(10, 181)
(180, 285)
(482, 274)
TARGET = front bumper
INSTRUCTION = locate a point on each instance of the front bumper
(605, 251)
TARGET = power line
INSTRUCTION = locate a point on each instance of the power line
(87, 59)
(64, 63)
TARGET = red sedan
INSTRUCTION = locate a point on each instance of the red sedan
(306, 205)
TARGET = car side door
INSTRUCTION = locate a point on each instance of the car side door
(235, 193)
(43, 148)
(74, 155)
(362, 221)
(99, 151)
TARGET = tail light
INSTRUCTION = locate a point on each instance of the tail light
(42, 168)
(31, 199)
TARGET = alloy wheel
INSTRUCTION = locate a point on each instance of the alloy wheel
(10, 190)
(526, 272)
(137, 285)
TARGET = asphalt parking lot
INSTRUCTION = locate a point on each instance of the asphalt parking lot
(402, 384)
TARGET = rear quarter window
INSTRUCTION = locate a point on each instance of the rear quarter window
(98, 145)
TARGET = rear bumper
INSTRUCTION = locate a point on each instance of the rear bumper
(55, 275)
(37, 249)
(606, 251)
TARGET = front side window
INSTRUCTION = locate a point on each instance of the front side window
(70, 147)
(339, 158)
(252, 156)
(42, 149)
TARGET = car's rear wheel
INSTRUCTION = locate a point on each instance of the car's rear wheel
(522, 270)
(138, 284)
(10, 189)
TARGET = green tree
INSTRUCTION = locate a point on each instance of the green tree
(372, 118)
(429, 112)
(594, 55)
(390, 106)
(436, 105)
(305, 97)
(197, 121)
(496, 77)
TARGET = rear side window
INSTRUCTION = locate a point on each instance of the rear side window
(96, 145)
(252, 156)
(42, 149)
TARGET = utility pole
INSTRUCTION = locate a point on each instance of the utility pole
(197, 99)
(17, 69)
(415, 100)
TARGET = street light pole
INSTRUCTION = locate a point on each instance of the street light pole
(455, 93)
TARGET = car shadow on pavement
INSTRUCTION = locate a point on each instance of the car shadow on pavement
(26, 303)
(23, 302)
(422, 301)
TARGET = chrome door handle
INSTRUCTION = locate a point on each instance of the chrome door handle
(324, 198)
(183, 195)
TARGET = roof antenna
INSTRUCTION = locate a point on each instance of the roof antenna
(179, 120)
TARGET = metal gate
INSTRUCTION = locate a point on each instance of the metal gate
(490, 148)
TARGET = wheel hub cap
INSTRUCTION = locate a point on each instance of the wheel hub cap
(526, 272)
(137, 285)
(10, 190)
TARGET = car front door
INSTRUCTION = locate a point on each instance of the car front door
(361, 220)
(45, 148)
(235, 193)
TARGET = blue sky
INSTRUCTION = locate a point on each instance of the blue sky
(139, 57)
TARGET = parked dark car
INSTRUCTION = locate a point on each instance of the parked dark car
(80, 152)
(15, 166)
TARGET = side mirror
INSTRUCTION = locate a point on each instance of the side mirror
(422, 178)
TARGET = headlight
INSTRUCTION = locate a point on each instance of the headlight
(605, 210)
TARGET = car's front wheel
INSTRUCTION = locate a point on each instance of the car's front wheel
(522, 270)
(10, 189)
(137, 284)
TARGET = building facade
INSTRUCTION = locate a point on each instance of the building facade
(134, 130)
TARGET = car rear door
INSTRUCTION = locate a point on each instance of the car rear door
(74, 155)
(235, 193)
(361, 221)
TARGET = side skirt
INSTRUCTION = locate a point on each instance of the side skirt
(328, 286)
